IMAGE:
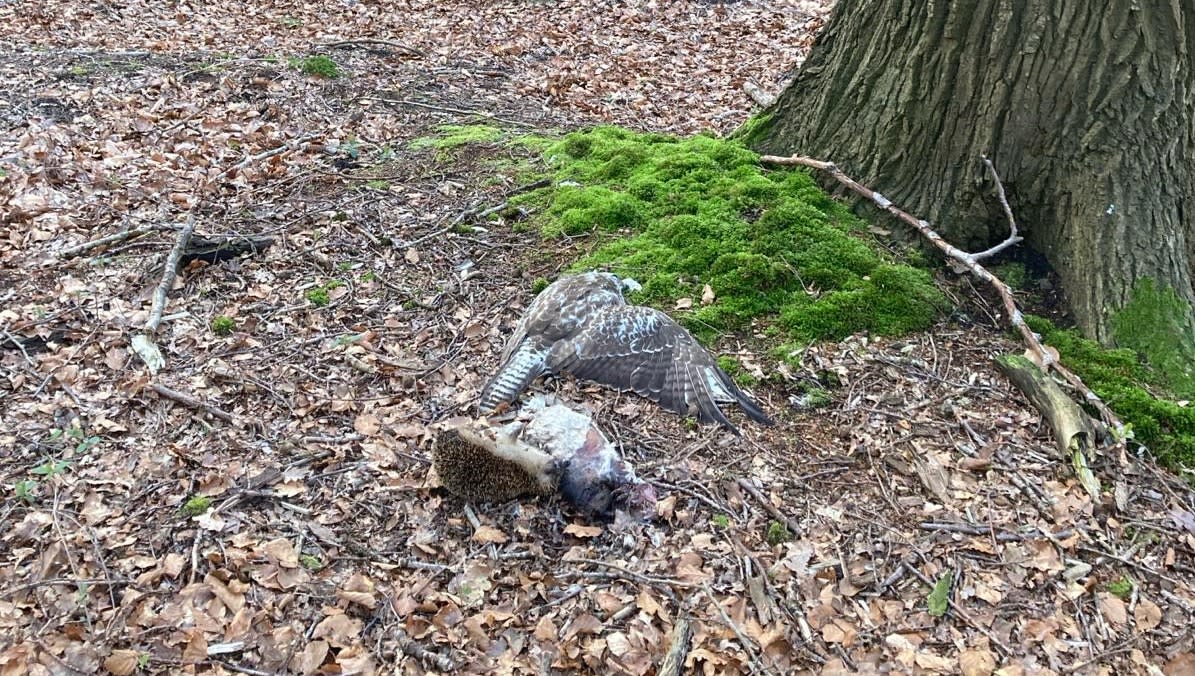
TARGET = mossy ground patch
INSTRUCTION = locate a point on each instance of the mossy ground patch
(680, 214)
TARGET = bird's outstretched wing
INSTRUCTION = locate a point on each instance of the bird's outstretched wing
(643, 350)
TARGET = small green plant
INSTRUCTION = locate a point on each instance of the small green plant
(1121, 588)
(778, 533)
(310, 562)
(223, 326)
(318, 66)
(368, 276)
(196, 505)
(143, 660)
(290, 22)
(721, 521)
(51, 468)
(318, 296)
(23, 490)
(939, 599)
(83, 443)
(378, 184)
(539, 285)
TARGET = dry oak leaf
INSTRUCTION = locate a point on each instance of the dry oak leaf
(1181, 665)
(122, 662)
(1147, 615)
(488, 535)
(577, 530)
(310, 658)
(340, 630)
(977, 662)
(1113, 609)
(367, 424)
(359, 589)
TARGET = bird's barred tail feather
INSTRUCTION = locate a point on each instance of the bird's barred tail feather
(524, 366)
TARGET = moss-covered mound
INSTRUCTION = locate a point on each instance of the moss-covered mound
(1120, 378)
(679, 214)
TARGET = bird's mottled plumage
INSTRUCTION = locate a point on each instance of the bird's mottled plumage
(582, 325)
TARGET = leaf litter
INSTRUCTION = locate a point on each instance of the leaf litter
(919, 524)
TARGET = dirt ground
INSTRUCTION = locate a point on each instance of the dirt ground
(328, 547)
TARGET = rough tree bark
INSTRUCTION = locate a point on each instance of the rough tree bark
(1087, 108)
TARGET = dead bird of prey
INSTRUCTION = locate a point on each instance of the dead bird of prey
(552, 447)
(582, 325)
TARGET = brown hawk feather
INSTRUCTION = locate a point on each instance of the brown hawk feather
(581, 325)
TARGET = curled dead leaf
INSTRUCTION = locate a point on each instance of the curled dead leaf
(578, 530)
(489, 535)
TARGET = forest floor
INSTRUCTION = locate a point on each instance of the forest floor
(327, 547)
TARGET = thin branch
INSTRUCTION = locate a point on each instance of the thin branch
(673, 663)
(285, 147)
(447, 109)
(370, 41)
(792, 525)
(169, 270)
(130, 233)
(1032, 340)
(1013, 237)
(20, 346)
(192, 402)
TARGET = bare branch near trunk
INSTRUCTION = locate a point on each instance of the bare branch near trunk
(970, 261)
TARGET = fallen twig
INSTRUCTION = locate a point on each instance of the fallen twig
(637, 577)
(971, 262)
(475, 212)
(793, 526)
(1002, 536)
(448, 109)
(192, 402)
(747, 643)
(130, 233)
(370, 41)
(169, 270)
(673, 663)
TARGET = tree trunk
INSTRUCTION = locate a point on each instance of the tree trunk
(1086, 108)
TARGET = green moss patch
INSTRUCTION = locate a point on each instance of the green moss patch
(679, 214)
(453, 136)
(1134, 389)
(1152, 323)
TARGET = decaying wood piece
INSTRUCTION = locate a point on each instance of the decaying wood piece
(1073, 432)
(214, 250)
(970, 261)
(678, 649)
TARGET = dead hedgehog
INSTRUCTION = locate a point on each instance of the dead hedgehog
(477, 466)
(556, 449)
